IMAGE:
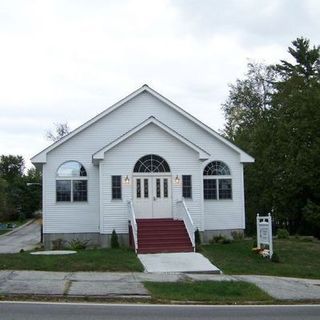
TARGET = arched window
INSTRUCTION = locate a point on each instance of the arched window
(151, 163)
(71, 182)
(217, 183)
(216, 168)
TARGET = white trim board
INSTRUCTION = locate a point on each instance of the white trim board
(99, 155)
(41, 157)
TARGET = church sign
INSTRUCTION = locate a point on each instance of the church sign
(264, 233)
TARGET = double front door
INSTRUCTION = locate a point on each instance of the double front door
(152, 197)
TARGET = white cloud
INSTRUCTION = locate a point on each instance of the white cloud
(68, 60)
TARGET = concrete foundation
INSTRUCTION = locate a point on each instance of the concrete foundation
(207, 235)
(104, 240)
(94, 239)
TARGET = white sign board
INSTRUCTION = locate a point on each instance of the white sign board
(264, 232)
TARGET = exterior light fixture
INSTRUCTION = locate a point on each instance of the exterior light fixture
(126, 179)
(177, 179)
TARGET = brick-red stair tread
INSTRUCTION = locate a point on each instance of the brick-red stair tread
(162, 235)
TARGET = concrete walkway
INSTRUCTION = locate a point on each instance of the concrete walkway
(283, 288)
(26, 237)
(130, 285)
(192, 262)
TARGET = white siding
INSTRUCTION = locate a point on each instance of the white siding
(84, 217)
(227, 214)
(121, 160)
(68, 217)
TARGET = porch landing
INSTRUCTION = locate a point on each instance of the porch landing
(187, 262)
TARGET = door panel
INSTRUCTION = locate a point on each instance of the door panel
(152, 197)
(162, 201)
(142, 197)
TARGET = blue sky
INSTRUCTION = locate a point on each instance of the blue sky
(68, 60)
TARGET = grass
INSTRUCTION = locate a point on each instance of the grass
(297, 258)
(207, 291)
(84, 260)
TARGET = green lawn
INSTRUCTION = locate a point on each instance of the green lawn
(207, 291)
(84, 260)
(297, 258)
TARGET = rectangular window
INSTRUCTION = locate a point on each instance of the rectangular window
(146, 188)
(79, 190)
(138, 188)
(165, 188)
(63, 188)
(225, 189)
(158, 189)
(186, 187)
(116, 187)
(210, 189)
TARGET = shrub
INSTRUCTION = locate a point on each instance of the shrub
(58, 244)
(275, 257)
(254, 244)
(114, 240)
(283, 234)
(237, 235)
(218, 239)
(77, 244)
(197, 237)
(226, 241)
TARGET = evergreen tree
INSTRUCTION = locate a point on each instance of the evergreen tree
(274, 114)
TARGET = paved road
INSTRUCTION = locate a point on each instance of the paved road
(25, 238)
(46, 311)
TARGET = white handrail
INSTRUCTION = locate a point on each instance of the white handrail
(133, 223)
(188, 222)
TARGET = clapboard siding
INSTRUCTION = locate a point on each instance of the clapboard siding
(86, 217)
(121, 160)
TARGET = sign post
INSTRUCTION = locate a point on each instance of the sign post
(264, 232)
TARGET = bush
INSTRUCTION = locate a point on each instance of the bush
(114, 240)
(197, 237)
(220, 239)
(58, 244)
(283, 234)
(275, 257)
(226, 241)
(237, 235)
(77, 244)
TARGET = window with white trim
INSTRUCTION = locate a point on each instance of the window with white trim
(217, 182)
(71, 183)
(116, 188)
(186, 186)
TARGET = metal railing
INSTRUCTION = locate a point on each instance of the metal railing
(133, 224)
(188, 222)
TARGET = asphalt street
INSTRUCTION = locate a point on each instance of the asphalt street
(25, 238)
(79, 311)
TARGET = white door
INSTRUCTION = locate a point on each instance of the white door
(162, 197)
(152, 197)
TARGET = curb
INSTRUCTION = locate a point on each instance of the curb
(17, 229)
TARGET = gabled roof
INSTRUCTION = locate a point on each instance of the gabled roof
(41, 157)
(99, 155)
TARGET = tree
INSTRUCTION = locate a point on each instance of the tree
(276, 118)
(60, 130)
(296, 110)
(248, 125)
(11, 167)
(248, 100)
(307, 61)
(17, 200)
(3, 199)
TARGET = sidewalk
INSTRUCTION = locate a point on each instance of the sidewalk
(129, 285)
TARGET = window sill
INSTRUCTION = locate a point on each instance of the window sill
(220, 200)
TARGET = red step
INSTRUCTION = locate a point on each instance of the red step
(162, 235)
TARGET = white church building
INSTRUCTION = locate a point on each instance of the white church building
(148, 170)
